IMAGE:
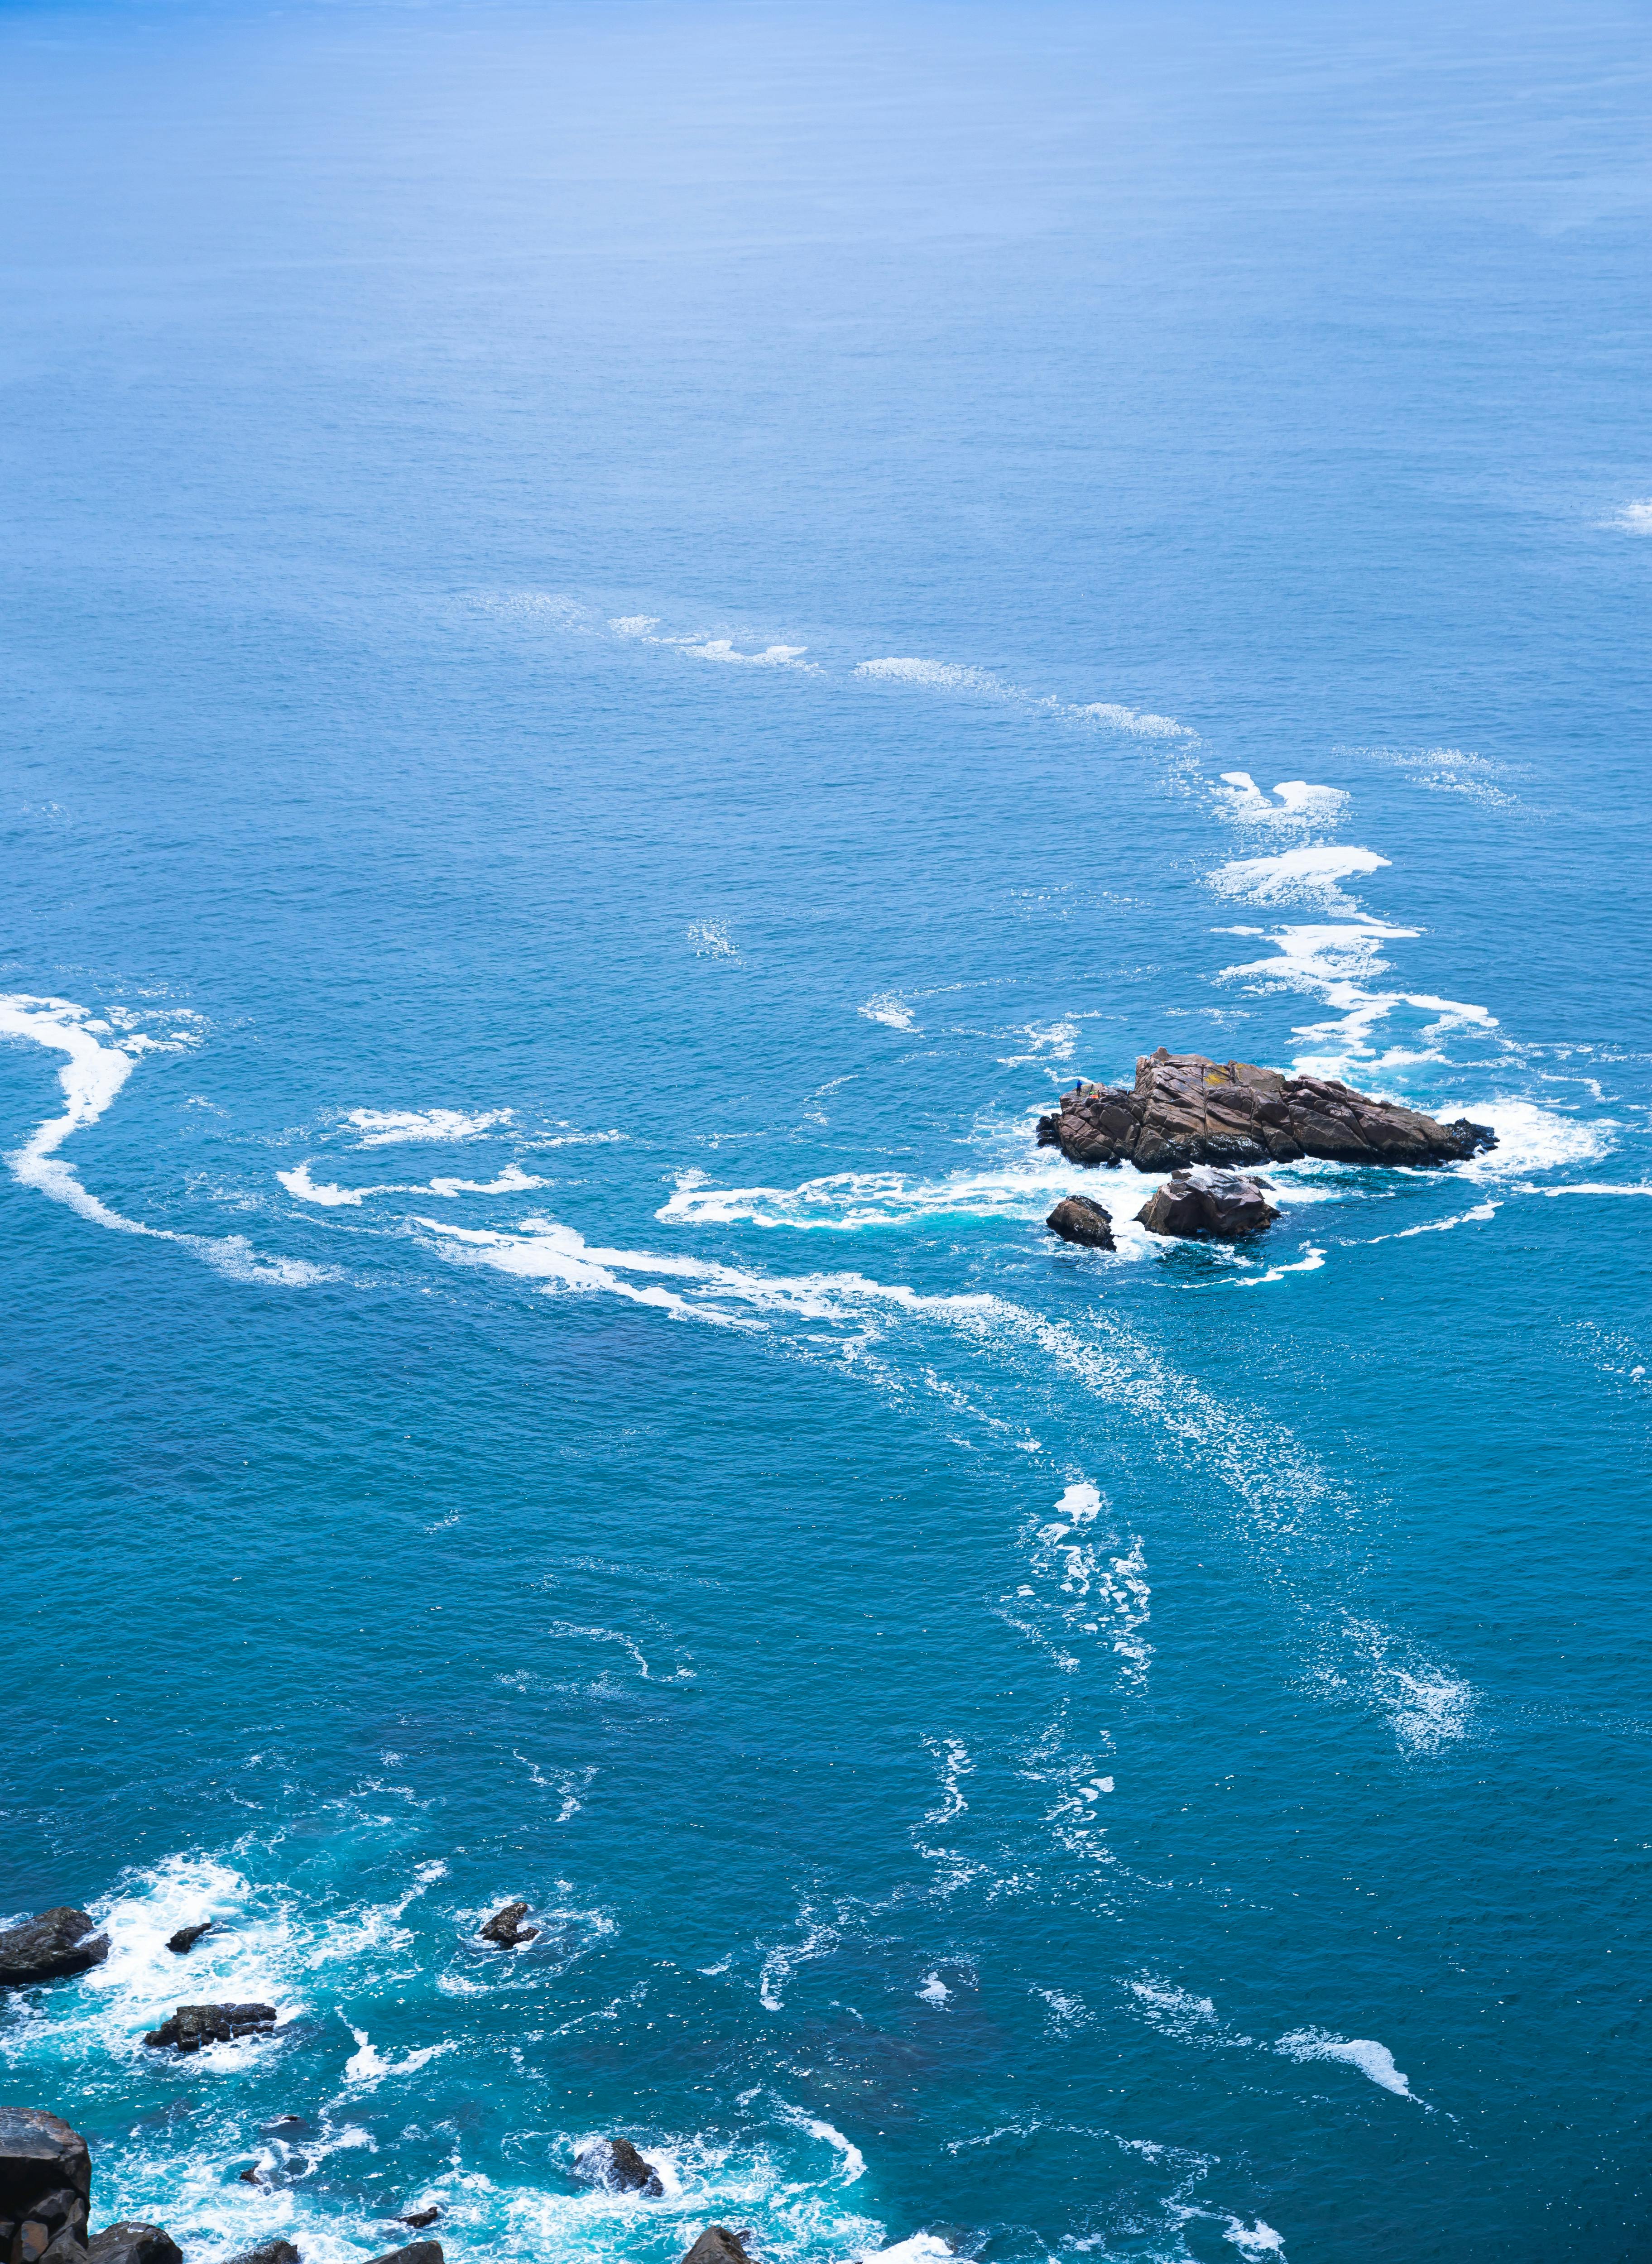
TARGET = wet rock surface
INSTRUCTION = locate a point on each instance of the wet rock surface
(192, 2026)
(1185, 1108)
(272, 2251)
(716, 2244)
(50, 1948)
(187, 1936)
(417, 2252)
(45, 2188)
(615, 2164)
(1202, 1205)
(132, 2243)
(419, 2218)
(1076, 1218)
(505, 1929)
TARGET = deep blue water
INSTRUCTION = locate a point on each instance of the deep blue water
(623, 629)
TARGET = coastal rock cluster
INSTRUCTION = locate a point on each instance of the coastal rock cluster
(1201, 1118)
(1185, 1108)
(45, 2166)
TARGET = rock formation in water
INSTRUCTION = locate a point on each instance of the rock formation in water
(716, 2244)
(57, 1944)
(272, 2251)
(187, 1936)
(1076, 1218)
(419, 2218)
(127, 2243)
(1200, 1205)
(45, 2187)
(616, 2164)
(1187, 1110)
(417, 2252)
(192, 2026)
(505, 1928)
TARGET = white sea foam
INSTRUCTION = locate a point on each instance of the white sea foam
(980, 683)
(920, 2248)
(887, 1008)
(1534, 1139)
(773, 656)
(712, 940)
(854, 2162)
(1257, 2239)
(1339, 963)
(1306, 875)
(1602, 1188)
(386, 1128)
(934, 1989)
(366, 2068)
(1371, 2059)
(1295, 803)
(1634, 517)
(511, 1180)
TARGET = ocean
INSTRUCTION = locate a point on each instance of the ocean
(630, 634)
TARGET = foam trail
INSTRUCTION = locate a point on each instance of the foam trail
(1371, 2059)
(980, 683)
(1308, 872)
(1296, 802)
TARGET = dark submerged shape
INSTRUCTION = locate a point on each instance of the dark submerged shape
(1186, 1108)
(1076, 1218)
(1201, 1205)
(51, 1947)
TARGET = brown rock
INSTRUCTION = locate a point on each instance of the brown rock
(1200, 1205)
(1075, 1218)
(1185, 1108)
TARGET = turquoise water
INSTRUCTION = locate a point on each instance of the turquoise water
(629, 634)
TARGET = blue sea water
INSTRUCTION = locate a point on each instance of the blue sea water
(630, 633)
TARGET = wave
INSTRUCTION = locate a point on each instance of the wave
(1296, 802)
(388, 1128)
(511, 1180)
(1306, 875)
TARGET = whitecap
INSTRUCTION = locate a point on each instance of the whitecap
(385, 1128)
(1305, 873)
(1296, 802)
(887, 1008)
(1634, 517)
(1257, 2239)
(1372, 2058)
(773, 656)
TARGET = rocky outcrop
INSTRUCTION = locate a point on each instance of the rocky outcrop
(127, 2243)
(1075, 1218)
(505, 1927)
(192, 2026)
(1202, 1205)
(187, 1936)
(45, 2187)
(417, 2252)
(419, 2218)
(51, 1947)
(615, 2164)
(272, 2251)
(1185, 1108)
(716, 2244)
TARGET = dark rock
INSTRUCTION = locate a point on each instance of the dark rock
(187, 1936)
(616, 2164)
(50, 1947)
(192, 2026)
(716, 2244)
(1185, 1108)
(45, 2182)
(419, 2218)
(1200, 1205)
(251, 2177)
(417, 2252)
(506, 1927)
(273, 2251)
(133, 2244)
(1075, 1218)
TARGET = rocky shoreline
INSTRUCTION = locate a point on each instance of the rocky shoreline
(45, 2165)
(1200, 1119)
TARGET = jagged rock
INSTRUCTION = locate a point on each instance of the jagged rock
(1199, 1204)
(192, 2026)
(506, 1927)
(616, 2164)
(187, 1936)
(51, 1947)
(133, 2244)
(417, 2252)
(1185, 1108)
(251, 2177)
(272, 2251)
(716, 2244)
(44, 2185)
(419, 2218)
(1075, 1218)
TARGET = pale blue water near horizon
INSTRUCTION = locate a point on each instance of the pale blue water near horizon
(629, 634)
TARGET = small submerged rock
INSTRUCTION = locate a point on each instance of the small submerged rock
(716, 2244)
(419, 2218)
(616, 2164)
(505, 1928)
(1077, 1218)
(192, 2026)
(50, 1948)
(187, 1936)
(1200, 1205)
